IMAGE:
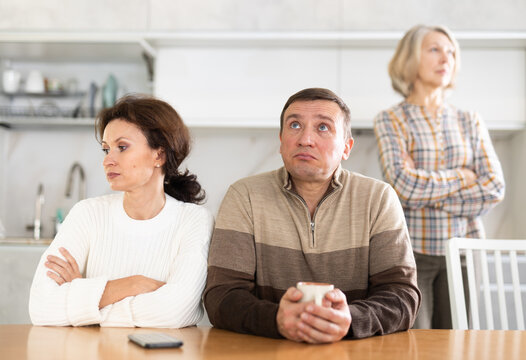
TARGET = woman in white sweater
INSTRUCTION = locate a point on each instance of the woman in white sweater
(138, 257)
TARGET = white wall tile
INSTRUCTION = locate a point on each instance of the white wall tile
(516, 211)
(364, 155)
(500, 221)
(456, 14)
(45, 157)
(254, 15)
(251, 15)
(220, 157)
(3, 174)
(97, 15)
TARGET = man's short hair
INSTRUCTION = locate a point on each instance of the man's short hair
(312, 94)
(403, 67)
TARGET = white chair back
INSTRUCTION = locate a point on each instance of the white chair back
(479, 280)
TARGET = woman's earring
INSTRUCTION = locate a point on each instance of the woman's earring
(157, 165)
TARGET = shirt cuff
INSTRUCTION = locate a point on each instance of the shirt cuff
(83, 300)
(118, 314)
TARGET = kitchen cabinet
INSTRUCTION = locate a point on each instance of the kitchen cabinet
(74, 60)
(244, 77)
(18, 263)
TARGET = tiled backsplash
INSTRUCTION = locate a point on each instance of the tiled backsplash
(219, 157)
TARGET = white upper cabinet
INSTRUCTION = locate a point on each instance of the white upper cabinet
(493, 82)
(365, 84)
(240, 86)
(243, 78)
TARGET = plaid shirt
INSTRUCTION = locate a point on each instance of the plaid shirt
(437, 203)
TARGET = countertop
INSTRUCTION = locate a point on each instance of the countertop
(24, 241)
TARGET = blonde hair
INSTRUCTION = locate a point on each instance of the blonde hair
(403, 67)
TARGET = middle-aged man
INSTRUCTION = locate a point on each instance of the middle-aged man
(312, 221)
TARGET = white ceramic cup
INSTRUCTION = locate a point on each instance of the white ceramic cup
(313, 291)
(35, 82)
(11, 81)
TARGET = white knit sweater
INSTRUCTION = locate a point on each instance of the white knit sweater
(107, 244)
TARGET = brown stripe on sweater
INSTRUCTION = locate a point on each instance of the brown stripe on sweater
(236, 290)
(219, 283)
(229, 249)
(226, 280)
(281, 268)
(396, 275)
(394, 247)
(397, 312)
(274, 295)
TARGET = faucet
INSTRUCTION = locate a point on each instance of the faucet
(82, 181)
(37, 224)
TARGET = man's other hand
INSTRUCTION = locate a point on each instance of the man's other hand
(326, 324)
(312, 323)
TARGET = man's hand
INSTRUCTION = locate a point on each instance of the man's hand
(63, 270)
(288, 317)
(312, 323)
(320, 324)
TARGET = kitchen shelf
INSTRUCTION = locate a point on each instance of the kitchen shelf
(48, 108)
(478, 39)
(53, 94)
(73, 46)
(129, 46)
(36, 122)
(24, 241)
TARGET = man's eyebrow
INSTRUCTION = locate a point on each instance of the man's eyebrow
(292, 116)
(324, 117)
(319, 116)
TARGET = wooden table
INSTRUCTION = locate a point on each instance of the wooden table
(35, 342)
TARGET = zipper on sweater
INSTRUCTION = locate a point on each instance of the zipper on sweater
(312, 220)
(312, 232)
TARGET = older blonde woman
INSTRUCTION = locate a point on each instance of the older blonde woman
(439, 159)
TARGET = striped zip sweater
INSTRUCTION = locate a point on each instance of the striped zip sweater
(265, 241)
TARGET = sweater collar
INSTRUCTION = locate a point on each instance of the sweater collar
(286, 180)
